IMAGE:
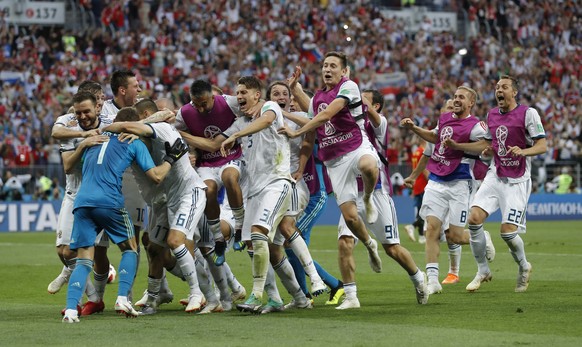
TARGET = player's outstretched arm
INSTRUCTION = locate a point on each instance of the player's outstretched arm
(321, 118)
(540, 146)
(71, 158)
(61, 132)
(263, 122)
(301, 98)
(418, 170)
(160, 116)
(427, 135)
(295, 118)
(208, 145)
(136, 128)
(469, 147)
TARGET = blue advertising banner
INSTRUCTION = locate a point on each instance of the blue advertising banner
(42, 215)
(541, 207)
(29, 216)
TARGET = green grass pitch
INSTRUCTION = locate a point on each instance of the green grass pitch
(549, 313)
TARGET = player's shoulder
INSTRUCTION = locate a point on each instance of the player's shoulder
(67, 120)
(109, 108)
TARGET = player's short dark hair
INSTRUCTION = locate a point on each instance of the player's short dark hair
(342, 57)
(251, 82)
(276, 83)
(514, 81)
(200, 87)
(82, 96)
(119, 79)
(127, 114)
(90, 86)
(145, 105)
(377, 97)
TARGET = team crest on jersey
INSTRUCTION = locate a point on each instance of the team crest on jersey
(446, 134)
(321, 107)
(211, 131)
(329, 129)
(72, 123)
(501, 134)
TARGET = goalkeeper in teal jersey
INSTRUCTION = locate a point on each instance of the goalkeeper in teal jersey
(100, 205)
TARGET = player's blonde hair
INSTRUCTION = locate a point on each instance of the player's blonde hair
(472, 91)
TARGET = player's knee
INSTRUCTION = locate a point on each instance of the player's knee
(345, 245)
(145, 240)
(211, 189)
(477, 216)
(230, 178)
(175, 240)
(67, 253)
(508, 228)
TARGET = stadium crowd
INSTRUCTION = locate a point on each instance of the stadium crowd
(170, 44)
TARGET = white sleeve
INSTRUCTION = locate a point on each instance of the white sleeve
(273, 106)
(179, 123)
(164, 131)
(533, 124)
(428, 149)
(488, 136)
(310, 111)
(349, 91)
(478, 132)
(63, 120)
(232, 103)
(380, 131)
(236, 126)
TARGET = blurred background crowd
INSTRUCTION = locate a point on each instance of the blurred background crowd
(171, 43)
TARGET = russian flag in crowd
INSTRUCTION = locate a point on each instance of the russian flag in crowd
(390, 83)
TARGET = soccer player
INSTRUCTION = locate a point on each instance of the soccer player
(454, 246)
(279, 92)
(206, 116)
(313, 173)
(267, 158)
(447, 194)
(99, 205)
(180, 213)
(125, 88)
(515, 134)
(337, 116)
(77, 131)
(386, 227)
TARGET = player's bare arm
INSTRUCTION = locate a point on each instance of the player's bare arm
(255, 126)
(540, 147)
(136, 128)
(427, 135)
(321, 118)
(203, 143)
(305, 152)
(71, 158)
(301, 98)
(418, 170)
(469, 147)
(295, 118)
(61, 132)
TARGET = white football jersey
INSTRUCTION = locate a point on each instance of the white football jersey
(182, 177)
(266, 153)
(295, 144)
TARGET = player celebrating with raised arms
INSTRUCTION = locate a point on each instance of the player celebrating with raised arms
(515, 135)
